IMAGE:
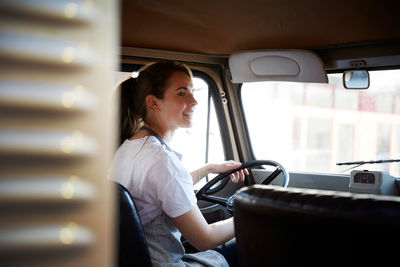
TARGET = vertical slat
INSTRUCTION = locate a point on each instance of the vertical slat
(57, 132)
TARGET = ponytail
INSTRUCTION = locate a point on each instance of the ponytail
(128, 119)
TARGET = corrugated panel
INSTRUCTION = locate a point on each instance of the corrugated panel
(45, 237)
(78, 11)
(47, 143)
(49, 97)
(44, 49)
(39, 190)
(57, 132)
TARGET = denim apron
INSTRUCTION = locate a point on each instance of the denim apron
(164, 241)
(166, 249)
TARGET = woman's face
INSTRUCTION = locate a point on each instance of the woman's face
(177, 106)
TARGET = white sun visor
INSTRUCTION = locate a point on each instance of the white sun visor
(277, 65)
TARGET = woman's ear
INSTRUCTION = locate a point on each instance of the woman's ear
(152, 102)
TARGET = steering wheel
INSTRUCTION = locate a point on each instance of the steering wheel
(220, 181)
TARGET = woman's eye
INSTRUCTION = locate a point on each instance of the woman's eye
(181, 94)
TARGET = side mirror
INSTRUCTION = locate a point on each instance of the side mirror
(356, 79)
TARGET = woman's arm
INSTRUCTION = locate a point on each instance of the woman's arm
(198, 174)
(199, 233)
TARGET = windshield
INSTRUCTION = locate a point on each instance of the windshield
(311, 127)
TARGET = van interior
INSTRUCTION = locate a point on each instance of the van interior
(305, 94)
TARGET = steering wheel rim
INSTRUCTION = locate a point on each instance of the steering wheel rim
(205, 192)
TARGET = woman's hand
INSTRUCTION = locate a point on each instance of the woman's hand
(227, 166)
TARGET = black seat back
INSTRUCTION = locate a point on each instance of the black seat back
(277, 226)
(132, 246)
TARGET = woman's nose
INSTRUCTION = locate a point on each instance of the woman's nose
(193, 101)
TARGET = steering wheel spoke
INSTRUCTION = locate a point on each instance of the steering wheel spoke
(272, 176)
(214, 199)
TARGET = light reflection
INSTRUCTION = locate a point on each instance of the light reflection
(68, 188)
(79, 90)
(67, 234)
(68, 54)
(69, 143)
(69, 98)
(70, 10)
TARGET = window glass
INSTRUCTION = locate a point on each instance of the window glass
(396, 151)
(192, 142)
(311, 127)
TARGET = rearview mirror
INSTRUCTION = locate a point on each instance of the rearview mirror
(356, 79)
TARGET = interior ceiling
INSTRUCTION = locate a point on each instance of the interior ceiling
(220, 27)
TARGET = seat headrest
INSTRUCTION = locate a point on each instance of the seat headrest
(278, 226)
(319, 203)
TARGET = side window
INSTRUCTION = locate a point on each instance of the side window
(202, 142)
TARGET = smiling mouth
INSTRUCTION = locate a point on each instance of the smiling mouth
(188, 113)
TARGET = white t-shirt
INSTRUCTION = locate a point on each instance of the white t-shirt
(155, 177)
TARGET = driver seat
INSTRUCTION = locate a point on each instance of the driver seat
(277, 226)
(132, 246)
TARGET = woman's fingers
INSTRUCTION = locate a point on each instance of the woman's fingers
(234, 177)
(239, 175)
(242, 175)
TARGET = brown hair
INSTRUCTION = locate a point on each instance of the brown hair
(152, 80)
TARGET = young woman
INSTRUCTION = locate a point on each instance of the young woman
(155, 104)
